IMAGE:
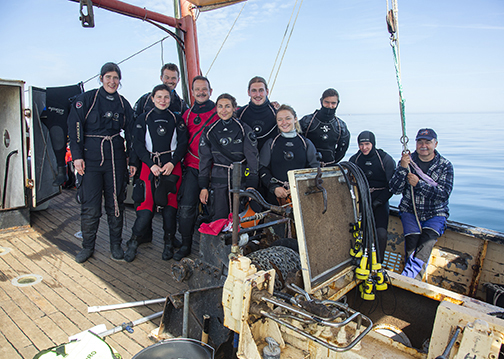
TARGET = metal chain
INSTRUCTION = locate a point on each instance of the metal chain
(282, 258)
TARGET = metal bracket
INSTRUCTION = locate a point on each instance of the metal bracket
(87, 20)
(318, 185)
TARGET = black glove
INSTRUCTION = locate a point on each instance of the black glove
(167, 184)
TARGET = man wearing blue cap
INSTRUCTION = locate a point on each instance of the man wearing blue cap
(425, 180)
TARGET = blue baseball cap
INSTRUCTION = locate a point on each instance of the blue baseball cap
(426, 134)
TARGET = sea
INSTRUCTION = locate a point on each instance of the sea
(472, 142)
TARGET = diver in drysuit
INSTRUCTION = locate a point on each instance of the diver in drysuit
(100, 158)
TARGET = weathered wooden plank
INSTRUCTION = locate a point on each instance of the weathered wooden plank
(495, 254)
(135, 347)
(459, 242)
(83, 307)
(10, 330)
(6, 348)
(155, 274)
(17, 315)
(47, 313)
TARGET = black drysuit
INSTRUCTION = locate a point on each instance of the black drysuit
(160, 137)
(282, 154)
(220, 145)
(328, 133)
(261, 119)
(94, 130)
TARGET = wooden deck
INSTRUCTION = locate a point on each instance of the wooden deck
(37, 317)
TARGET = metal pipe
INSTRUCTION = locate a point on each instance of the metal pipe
(191, 51)
(236, 205)
(134, 11)
(7, 163)
(102, 308)
(255, 195)
(255, 217)
(315, 318)
(177, 10)
(206, 328)
(256, 228)
(317, 340)
(185, 320)
(450, 345)
(124, 326)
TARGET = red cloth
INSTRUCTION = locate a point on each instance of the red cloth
(148, 203)
(215, 227)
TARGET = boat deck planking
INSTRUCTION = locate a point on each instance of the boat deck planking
(43, 315)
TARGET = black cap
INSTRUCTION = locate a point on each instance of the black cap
(426, 134)
(367, 136)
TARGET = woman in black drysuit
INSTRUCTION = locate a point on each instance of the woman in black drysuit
(224, 142)
(100, 156)
(378, 166)
(289, 150)
(160, 142)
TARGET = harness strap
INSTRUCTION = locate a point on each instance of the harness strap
(274, 115)
(156, 155)
(339, 129)
(94, 103)
(372, 189)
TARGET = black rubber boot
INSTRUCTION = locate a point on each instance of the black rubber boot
(84, 255)
(147, 238)
(177, 243)
(116, 251)
(143, 224)
(61, 176)
(131, 252)
(168, 247)
(185, 250)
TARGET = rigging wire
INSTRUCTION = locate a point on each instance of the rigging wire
(131, 56)
(286, 46)
(281, 44)
(162, 54)
(225, 39)
(392, 22)
(393, 28)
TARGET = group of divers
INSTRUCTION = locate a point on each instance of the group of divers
(180, 156)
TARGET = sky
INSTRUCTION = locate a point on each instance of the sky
(452, 52)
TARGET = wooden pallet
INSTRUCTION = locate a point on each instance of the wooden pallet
(37, 317)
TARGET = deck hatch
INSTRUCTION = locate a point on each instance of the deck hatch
(26, 280)
(324, 238)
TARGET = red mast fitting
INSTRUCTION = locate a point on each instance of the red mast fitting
(186, 24)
